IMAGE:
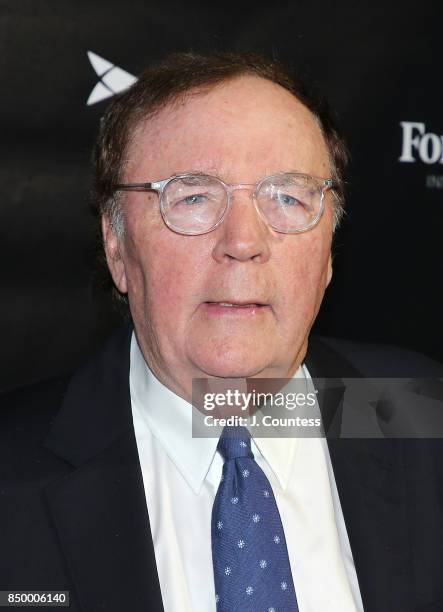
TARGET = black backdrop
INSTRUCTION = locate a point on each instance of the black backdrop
(380, 65)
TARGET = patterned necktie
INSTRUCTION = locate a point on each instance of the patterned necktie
(251, 564)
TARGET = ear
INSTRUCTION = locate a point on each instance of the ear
(329, 273)
(112, 246)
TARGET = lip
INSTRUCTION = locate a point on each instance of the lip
(236, 307)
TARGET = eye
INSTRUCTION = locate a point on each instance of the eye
(287, 200)
(195, 198)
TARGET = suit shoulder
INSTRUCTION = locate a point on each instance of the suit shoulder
(383, 360)
(29, 411)
(26, 417)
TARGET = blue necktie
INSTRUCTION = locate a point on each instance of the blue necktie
(251, 564)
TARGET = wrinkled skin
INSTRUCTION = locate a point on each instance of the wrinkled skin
(241, 131)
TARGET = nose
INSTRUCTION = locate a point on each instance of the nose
(243, 235)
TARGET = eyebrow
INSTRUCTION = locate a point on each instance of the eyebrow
(212, 170)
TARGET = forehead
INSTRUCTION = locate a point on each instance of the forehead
(240, 130)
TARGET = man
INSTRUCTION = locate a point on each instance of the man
(219, 184)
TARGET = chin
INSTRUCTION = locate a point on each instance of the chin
(240, 365)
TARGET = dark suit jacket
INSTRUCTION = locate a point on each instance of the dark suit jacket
(73, 513)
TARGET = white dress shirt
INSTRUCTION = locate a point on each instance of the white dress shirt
(181, 475)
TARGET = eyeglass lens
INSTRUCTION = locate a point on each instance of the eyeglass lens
(196, 204)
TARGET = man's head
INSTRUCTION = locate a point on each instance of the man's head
(239, 118)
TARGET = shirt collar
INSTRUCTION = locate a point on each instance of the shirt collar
(169, 418)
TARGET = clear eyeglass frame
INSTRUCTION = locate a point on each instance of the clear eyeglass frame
(159, 187)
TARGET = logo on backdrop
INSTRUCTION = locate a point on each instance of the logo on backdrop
(422, 146)
(113, 79)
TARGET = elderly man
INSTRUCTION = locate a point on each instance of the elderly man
(219, 184)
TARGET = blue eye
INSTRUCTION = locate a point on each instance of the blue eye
(287, 200)
(194, 199)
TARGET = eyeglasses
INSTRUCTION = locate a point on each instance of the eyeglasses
(193, 203)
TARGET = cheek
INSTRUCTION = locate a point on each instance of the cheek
(304, 278)
(162, 270)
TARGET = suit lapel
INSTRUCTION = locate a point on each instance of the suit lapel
(99, 509)
(368, 474)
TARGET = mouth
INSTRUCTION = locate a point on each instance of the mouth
(236, 307)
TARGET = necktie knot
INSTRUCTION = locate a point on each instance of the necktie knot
(235, 442)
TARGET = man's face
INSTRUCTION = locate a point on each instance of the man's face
(241, 131)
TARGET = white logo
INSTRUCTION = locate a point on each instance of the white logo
(113, 79)
(417, 142)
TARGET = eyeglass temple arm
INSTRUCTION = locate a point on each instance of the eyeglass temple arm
(136, 186)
